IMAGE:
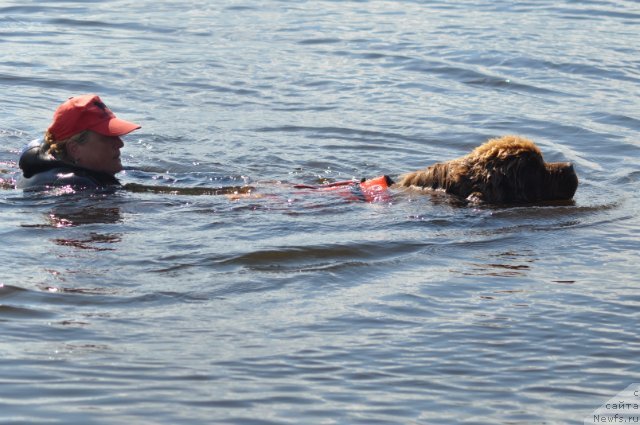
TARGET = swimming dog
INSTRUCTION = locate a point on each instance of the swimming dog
(505, 170)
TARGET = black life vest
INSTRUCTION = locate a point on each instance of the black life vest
(40, 170)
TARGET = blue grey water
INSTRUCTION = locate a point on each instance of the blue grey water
(308, 308)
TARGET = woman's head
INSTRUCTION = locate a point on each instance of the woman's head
(86, 133)
(89, 150)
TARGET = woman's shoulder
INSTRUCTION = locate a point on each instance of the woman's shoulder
(54, 177)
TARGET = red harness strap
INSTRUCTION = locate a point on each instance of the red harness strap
(366, 190)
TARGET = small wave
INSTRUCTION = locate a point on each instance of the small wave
(393, 59)
(13, 309)
(619, 120)
(13, 312)
(322, 256)
(632, 177)
(553, 210)
(339, 132)
(111, 25)
(597, 14)
(10, 290)
(240, 8)
(75, 85)
(314, 41)
(5, 11)
(471, 77)
(511, 85)
(193, 87)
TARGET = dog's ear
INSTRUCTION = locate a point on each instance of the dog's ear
(530, 178)
(515, 179)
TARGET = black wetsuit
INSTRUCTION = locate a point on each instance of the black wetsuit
(40, 171)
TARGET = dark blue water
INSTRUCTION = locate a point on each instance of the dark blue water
(291, 307)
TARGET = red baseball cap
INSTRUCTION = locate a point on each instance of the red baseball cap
(87, 112)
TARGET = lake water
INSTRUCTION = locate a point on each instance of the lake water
(308, 308)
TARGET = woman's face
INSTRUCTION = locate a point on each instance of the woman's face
(98, 153)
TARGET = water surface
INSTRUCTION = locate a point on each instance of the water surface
(299, 307)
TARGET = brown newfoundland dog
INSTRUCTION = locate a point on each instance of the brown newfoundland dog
(505, 170)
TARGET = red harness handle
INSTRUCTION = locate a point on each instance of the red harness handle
(367, 190)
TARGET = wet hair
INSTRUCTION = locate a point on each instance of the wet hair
(58, 148)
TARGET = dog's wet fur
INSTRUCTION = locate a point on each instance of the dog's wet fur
(505, 170)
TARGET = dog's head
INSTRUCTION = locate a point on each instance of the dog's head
(520, 174)
(527, 178)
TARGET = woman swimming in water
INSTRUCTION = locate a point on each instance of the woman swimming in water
(81, 150)
(81, 147)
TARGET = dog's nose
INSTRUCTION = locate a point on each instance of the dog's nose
(563, 179)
